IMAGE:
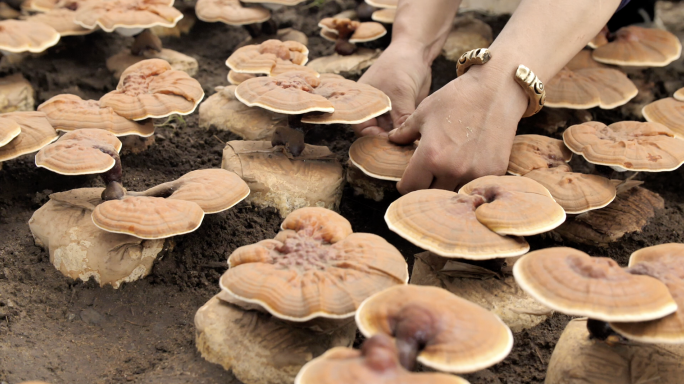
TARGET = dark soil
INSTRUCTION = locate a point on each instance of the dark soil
(63, 331)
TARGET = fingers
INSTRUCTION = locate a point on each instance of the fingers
(448, 183)
(416, 176)
(359, 128)
(407, 132)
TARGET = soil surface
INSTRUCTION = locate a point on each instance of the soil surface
(63, 331)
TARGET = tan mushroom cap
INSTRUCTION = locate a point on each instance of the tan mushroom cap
(236, 78)
(278, 2)
(9, 129)
(376, 363)
(532, 152)
(62, 20)
(148, 217)
(362, 31)
(152, 89)
(353, 102)
(36, 132)
(575, 192)
(668, 112)
(456, 336)
(230, 12)
(312, 269)
(444, 223)
(385, 16)
(627, 145)
(513, 205)
(600, 39)
(583, 59)
(663, 262)
(383, 3)
(112, 14)
(576, 284)
(679, 94)
(638, 46)
(290, 93)
(39, 5)
(23, 35)
(262, 58)
(78, 153)
(215, 190)
(70, 112)
(379, 158)
(367, 31)
(606, 88)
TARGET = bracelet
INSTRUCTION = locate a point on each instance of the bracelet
(530, 83)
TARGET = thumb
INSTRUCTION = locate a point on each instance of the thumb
(407, 133)
(403, 105)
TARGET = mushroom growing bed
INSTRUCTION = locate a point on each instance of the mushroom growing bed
(59, 330)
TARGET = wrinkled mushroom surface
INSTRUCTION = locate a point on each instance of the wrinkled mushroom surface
(81, 152)
(230, 12)
(127, 14)
(288, 93)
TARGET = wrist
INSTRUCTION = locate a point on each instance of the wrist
(497, 81)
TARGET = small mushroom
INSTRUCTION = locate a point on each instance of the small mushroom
(436, 328)
(263, 58)
(377, 362)
(626, 146)
(315, 268)
(26, 36)
(36, 132)
(576, 284)
(585, 88)
(668, 112)
(69, 113)
(151, 88)
(128, 17)
(230, 12)
(379, 158)
(638, 46)
(385, 15)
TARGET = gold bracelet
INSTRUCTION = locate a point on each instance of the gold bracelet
(530, 83)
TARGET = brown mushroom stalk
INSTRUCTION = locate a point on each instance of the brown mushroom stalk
(113, 178)
(146, 41)
(414, 328)
(290, 136)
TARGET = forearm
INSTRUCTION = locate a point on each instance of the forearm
(424, 24)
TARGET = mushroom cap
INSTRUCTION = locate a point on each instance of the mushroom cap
(39, 5)
(532, 152)
(290, 93)
(586, 88)
(379, 158)
(236, 78)
(278, 2)
(575, 192)
(582, 60)
(385, 15)
(457, 336)
(576, 284)
(377, 362)
(230, 12)
(62, 20)
(148, 217)
(600, 39)
(368, 31)
(23, 35)
(70, 112)
(9, 129)
(112, 14)
(668, 112)
(383, 3)
(215, 190)
(627, 145)
(361, 31)
(679, 94)
(78, 153)
(262, 58)
(314, 268)
(663, 262)
(638, 46)
(353, 102)
(445, 223)
(36, 132)
(151, 88)
(513, 205)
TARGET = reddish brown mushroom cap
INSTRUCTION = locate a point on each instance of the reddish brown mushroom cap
(627, 145)
(452, 334)
(70, 112)
(513, 205)
(9, 129)
(230, 12)
(314, 268)
(377, 362)
(668, 112)
(353, 102)
(586, 88)
(262, 58)
(379, 158)
(577, 284)
(679, 94)
(289, 93)
(80, 153)
(575, 192)
(36, 132)
(637, 46)
(444, 223)
(112, 14)
(26, 36)
(148, 217)
(532, 152)
(152, 89)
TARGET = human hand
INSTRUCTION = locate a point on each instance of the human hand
(466, 130)
(405, 76)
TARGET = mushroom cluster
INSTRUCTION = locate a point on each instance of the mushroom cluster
(302, 288)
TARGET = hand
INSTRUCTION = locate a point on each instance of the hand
(466, 130)
(405, 76)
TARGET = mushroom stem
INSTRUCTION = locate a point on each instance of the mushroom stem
(380, 353)
(601, 330)
(291, 136)
(112, 178)
(414, 327)
(344, 47)
(146, 41)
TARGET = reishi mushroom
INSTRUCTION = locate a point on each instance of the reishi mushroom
(379, 158)
(127, 17)
(585, 88)
(346, 33)
(18, 36)
(36, 132)
(668, 112)
(265, 57)
(230, 12)
(638, 46)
